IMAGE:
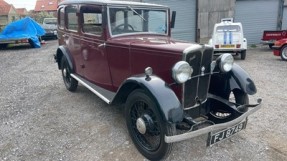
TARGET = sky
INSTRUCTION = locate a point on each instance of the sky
(28, 4)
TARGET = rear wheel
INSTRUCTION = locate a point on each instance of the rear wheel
(146, 126)
(70, 83)
(243, 55)
(284, 53)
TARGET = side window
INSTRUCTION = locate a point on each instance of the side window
(72, 19)
(92, 19)
(61, 18)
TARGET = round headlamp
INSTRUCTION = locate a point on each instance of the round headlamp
(181, 72)
(226, 62)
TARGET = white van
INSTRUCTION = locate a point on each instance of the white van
(228, 37)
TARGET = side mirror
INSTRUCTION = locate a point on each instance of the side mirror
(173, 19)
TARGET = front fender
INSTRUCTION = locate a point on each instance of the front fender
(241, 79)
(237, 78)
(167, 101)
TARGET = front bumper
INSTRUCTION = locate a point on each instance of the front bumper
(211, 128)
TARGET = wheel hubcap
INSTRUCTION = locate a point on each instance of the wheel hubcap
(145, 124)
(65, 72)
(141, 126)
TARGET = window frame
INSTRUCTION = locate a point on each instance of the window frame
(77, 17)
(136, 33)
(82, 20)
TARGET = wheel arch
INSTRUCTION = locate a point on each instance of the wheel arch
(164, 97)
(62, 51)
(236, 79)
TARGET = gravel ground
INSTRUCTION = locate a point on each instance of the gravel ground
(40, 120)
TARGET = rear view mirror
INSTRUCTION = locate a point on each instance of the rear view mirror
(173, 19)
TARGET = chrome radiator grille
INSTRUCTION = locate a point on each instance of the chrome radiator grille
(195, 90)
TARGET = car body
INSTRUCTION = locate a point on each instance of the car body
(50, 26)
(280, 48)
(228, 37)
(123, 52)
(270, 36)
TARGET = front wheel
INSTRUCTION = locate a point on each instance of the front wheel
(284, 53)
(146, 126)
(70, 83)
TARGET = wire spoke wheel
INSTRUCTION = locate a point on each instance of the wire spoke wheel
(146, 126)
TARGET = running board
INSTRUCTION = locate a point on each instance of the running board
(105, 95)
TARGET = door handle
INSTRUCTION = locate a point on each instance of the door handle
(102, 45)
(65, 36)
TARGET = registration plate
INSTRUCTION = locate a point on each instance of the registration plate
(227, 46)
(226, 133)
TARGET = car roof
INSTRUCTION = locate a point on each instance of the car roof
(111, 2)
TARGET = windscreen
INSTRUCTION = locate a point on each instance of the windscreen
(128, 20)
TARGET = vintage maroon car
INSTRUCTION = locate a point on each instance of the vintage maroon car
(280, 48)
(172, 90)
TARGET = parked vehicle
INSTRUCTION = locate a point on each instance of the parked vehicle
(269, 37)
(25, 30)
(172, 90)
(228, 37)
(50, 26)
(280, 48)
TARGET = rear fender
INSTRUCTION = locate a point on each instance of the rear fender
(62, 51)
(167, 101)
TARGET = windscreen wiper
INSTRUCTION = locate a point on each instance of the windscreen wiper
(136, 13)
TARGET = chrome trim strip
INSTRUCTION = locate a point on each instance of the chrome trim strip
(91, 89)
(188, 135)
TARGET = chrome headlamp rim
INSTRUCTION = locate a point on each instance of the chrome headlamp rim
(226, 62)
(181, 72)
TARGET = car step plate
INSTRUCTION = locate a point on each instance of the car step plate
(224, 134)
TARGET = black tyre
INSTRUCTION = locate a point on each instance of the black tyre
(283, 53)
(238, 97)
(146, 126)
(243, 55)
(70, 83)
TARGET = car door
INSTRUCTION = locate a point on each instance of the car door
(96, 67)
(72, 39)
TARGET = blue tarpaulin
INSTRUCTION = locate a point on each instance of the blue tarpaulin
(25, 28)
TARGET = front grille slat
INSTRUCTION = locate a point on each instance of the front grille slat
(195, 90)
